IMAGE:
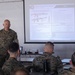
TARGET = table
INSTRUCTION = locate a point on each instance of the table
(26, 59)
(66, 60)
(66, 63)
(31, 60)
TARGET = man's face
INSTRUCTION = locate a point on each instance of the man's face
(6, 24)
(48, 48)
(20, 73)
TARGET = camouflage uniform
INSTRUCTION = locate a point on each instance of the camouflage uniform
(6, 37)
(71, 71)
(10, 65)
(55, 63)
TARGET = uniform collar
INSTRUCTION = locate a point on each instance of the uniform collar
(46, 53)
(12, 58)
(6, 31)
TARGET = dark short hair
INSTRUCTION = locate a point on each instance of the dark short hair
(20, 69)
(73, 59)
(13, 47)
(50, 43)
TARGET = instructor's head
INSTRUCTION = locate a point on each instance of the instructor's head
(49, 47)
(6, 24)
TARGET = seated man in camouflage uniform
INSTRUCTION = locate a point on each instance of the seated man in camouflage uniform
(12, 62)
(71, 71)
(55, 63)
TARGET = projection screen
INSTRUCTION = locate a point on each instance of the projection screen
(49, 20)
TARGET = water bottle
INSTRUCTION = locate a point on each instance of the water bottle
(21, 49)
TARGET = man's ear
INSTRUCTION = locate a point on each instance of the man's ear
(8, 51)
(18, 52)
(70, 62)
(9, 25)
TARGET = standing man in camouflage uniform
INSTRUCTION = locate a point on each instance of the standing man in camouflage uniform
(12, 63)
(71, 71)
(7, 36)
(55, 64)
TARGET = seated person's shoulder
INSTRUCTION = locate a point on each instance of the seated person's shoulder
(57, 61)
(6, 67)
(7, 64)
(38, 58)
(67, 72)
(53, 57)
(10, 63)
(56, 57)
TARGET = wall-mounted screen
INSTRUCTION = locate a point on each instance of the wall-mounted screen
(50, 20)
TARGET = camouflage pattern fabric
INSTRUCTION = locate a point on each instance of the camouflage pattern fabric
(71, 71)
(55, 63)
(10, 65)
(6, 37)
(2, 60)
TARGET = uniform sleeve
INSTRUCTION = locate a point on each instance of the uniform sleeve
(64, 72)
(59, 65)
(53, 64)
(6, 69)
(16, 38)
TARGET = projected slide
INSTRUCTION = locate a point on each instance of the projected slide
(52, 22)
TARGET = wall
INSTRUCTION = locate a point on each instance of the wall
(63, 50)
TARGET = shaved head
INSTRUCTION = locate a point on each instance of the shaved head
(49, 47)
(6, 24)
(6, 20)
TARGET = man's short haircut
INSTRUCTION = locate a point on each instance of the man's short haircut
(13, 47)
(20, 69)
(6, 20)
(50, 43)
(73, 59)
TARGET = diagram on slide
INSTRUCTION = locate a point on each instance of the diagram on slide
(52, 22)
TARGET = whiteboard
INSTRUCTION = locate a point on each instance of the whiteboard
(12, 11)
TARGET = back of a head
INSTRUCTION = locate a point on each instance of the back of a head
(49, 43)
(73, 59)
(13, 47)
(20, 71)
(49, 47)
